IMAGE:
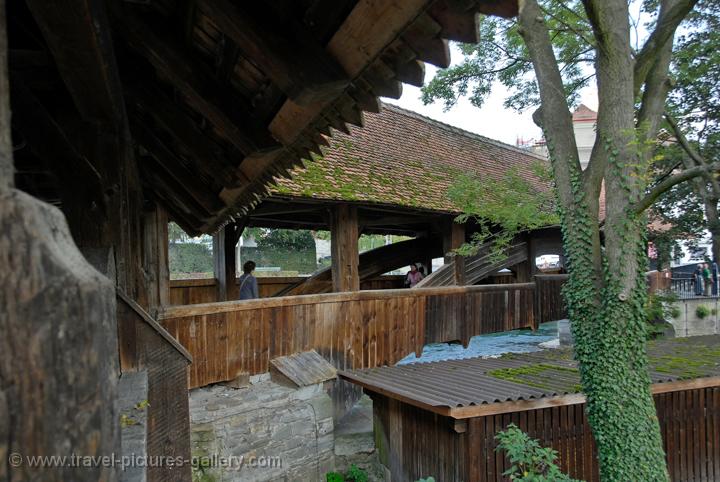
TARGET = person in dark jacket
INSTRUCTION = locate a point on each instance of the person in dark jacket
(699, 284)
(248, 282)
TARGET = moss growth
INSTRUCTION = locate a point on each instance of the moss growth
(535, 376)
(688, 362)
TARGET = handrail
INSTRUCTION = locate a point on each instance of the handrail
(228, 306)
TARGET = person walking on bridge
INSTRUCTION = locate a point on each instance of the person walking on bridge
(248, 282)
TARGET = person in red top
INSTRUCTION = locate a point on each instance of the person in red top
(413, 277)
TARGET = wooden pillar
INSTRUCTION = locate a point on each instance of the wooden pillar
(454, 237)
(219, 264)
(225, 259)
(58, 349)
(344, 248)
(155, 257)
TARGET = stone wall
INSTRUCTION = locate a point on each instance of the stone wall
(689, 324)
(286, 432)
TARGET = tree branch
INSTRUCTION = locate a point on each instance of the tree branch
(672, 12)
(671, 181)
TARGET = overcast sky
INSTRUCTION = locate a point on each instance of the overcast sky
(493, 120)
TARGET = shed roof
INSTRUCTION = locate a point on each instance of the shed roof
(477, 386)
(402, 158)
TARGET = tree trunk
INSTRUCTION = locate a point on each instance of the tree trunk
(605, 293)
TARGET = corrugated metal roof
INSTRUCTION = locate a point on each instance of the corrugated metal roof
(527, 376)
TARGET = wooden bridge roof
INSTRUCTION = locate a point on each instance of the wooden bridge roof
(402, 158)
(221, 97)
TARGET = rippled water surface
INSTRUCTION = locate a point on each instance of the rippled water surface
(517, 341)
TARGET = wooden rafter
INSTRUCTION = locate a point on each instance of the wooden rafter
(206, 155)
(173, 167)
(214, 101)
(77, 35)
(289, 57)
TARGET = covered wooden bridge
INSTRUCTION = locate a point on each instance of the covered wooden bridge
(391, 176)
(127, 114)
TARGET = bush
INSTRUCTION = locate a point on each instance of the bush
(354, 474)
(702, 311)
(530, 462)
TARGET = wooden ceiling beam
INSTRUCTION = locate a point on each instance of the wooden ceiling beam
(173, 191)
(424, 38)
(367, 31)
(207, 156)
(230, 116)
(458, 19)
(174, 167)
(78, 35)
(301, 68)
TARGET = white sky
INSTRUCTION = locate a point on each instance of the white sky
(493, 120)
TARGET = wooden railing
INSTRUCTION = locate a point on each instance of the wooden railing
(351, 330)
(195, 291)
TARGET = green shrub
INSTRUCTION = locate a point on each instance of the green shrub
(530, 462)
(675, 312)
(354, 474)
(702, 311)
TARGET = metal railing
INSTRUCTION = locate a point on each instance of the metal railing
(686, 288)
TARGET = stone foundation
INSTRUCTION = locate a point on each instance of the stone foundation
(281, 433)
(689, 324)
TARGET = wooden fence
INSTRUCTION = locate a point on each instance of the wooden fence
(550, 304)
(196, 291)
(351, 330)
(418, 442)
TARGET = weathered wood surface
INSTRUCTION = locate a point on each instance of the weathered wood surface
(550, 303)
(344, 232)
(350, 330)
(306, 368)
(57, 326)
(461, 270)
(372, 264)
(145, 345)
(419, 442)
(197, 291)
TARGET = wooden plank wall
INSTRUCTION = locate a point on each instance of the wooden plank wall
(550, 303)
(351, 330)
(421, 444)
(196, 291)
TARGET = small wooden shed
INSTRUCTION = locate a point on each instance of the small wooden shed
(440, 419)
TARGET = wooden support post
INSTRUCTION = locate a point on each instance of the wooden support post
(454, 237)
(225, 255)
(219, 263)
(344, 248)
(58, 349)
(155, 257)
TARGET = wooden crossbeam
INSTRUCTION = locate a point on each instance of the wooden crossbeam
(48, 142)
(77, 35)
(289, 57)
(172, 166)
(207, 156)
(214, 101)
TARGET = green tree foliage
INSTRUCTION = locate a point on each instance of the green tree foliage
(283, 239)
(501, 56)
(186, 257)
(694, 109)
(503, 206)
(190, 258)
(606, 290)
(529, 461)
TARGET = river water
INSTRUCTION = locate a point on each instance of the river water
(516, 341)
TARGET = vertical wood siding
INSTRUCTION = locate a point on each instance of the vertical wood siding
(418, 443)
(351, 330)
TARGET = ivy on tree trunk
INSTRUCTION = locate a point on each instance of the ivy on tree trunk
(606, 290)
